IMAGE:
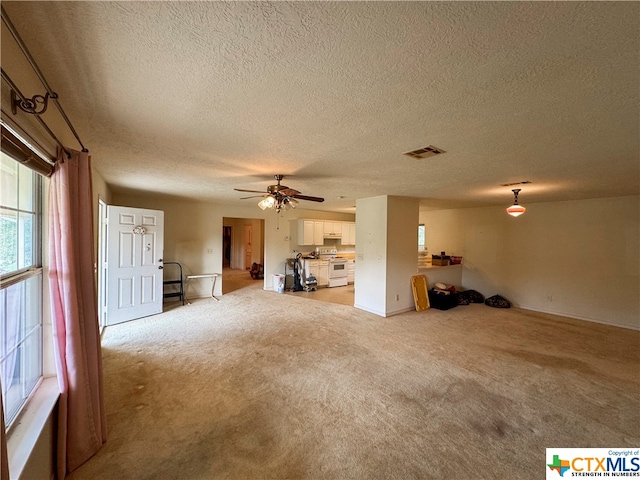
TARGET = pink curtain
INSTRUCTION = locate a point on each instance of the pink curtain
(82, 419)
(4, 459)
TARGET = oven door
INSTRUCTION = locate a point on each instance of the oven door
(337, 269)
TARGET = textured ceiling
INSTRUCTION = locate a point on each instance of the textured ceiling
(195, 98)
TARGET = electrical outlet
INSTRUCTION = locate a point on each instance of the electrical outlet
(210, 251)
(397, 297)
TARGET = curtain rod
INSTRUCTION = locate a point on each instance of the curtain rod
(14, 87)
(36, 69)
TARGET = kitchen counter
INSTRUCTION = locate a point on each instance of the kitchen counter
(432, 267)
(348, 256)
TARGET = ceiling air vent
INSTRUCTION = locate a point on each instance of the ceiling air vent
(425, 152)
(524, 182)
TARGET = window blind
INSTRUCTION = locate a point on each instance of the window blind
(17, 149)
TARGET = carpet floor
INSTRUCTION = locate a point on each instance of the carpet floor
(262, 385)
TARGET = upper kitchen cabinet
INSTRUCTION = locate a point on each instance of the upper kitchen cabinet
(332, 229)
(310, 232)
(348, 234)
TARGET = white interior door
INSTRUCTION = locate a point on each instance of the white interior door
(134, 263)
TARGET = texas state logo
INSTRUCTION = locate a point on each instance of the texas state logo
(592, 462)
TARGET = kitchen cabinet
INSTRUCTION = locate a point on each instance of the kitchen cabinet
(348, 233)
(319, 269)
(311, 268)
(310, 232)
(318, 233)
(323, 274)
(332, 229)
(313, 232)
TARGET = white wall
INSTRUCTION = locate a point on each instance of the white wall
(371, 255)
(402, 253)
(42, 461)
(575, 258)
(386, 254)
(444, 231)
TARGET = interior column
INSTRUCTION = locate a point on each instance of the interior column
(386, 254)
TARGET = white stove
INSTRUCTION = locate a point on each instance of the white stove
(337, 267)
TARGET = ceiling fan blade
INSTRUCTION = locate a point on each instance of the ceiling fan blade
(289, 192)
(306, 197)
(250, 191)
(253, 196)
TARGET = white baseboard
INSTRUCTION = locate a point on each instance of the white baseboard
(385, 314)
(401, 310)
(579, 317)
(370, 310)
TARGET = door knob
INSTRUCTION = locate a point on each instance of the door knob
(160, 267)
(160, 260)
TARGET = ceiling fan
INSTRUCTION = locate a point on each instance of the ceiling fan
(279, 197)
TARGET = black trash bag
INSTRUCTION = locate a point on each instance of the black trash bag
(497, 302)
(470, 296)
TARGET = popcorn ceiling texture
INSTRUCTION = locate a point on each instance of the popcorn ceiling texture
(250, 387)
(195, 98)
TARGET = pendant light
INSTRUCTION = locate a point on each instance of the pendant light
(516, 210)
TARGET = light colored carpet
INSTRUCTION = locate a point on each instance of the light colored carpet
(264, 385)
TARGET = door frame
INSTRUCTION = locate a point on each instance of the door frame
(102, 263)
(230, 229)
(239, 264)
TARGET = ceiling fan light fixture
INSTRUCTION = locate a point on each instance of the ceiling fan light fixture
(516, 209)
(268, 202)
(280, 197)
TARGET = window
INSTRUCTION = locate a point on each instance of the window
(21, 286)
(421, 240)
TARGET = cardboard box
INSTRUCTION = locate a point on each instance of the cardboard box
(440, 260)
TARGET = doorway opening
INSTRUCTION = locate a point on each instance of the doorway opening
(227, 234)
(242, 246)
